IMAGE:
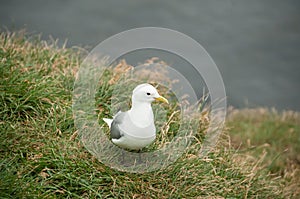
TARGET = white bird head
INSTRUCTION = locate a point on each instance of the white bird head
(146, 93)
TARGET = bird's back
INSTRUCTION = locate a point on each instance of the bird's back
(115, 132)
(127, 135)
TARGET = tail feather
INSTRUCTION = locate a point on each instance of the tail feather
(108, 121)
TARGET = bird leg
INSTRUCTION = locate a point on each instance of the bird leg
(123, 160)
(140, 157)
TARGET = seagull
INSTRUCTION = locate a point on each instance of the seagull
(135, 129)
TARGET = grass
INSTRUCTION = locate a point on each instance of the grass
(42, 156)
(276, 134)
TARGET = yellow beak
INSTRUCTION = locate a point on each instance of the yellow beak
(162, 99)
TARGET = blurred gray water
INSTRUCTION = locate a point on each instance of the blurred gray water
(255, 44)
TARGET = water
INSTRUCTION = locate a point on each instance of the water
(256, 44)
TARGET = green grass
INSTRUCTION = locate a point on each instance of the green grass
(276, 135)
(42, 156)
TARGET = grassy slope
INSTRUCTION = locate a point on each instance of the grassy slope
(275, 135)
(41, 155)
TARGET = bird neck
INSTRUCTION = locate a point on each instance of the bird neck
(141, 113)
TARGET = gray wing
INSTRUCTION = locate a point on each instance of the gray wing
(115, 132)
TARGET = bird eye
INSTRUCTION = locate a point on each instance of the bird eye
(148, 94)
